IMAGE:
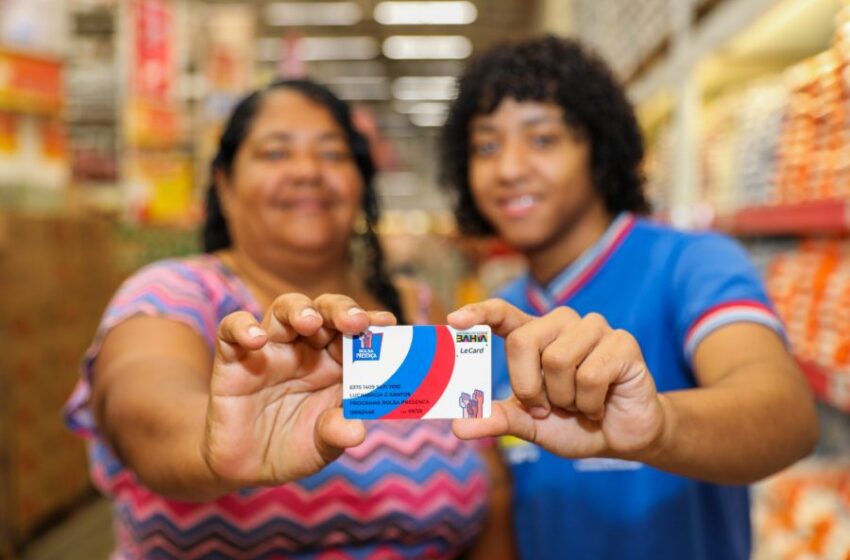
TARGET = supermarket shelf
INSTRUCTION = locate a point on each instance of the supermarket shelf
(740, 39)
(829, 387)
(721, 24)
(804, 218)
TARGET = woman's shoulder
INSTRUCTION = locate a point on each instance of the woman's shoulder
(197, 283)
(195, 272)
(197, 266)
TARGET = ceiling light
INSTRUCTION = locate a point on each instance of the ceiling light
(426, 120)
(430, 108)
(313, 13)
(427, 47)
(424, 107)
(423, 88)
(425, 13)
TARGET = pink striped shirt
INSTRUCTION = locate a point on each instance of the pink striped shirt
(411, 490)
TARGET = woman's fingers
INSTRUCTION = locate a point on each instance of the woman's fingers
(382, 318)
(238, 334)
(340, 315)
(290, 316)
(334, 434)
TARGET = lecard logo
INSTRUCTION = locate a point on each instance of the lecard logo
(367, 347)
(471, 337)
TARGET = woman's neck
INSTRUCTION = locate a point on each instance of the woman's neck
(547, 262)
(269, 276)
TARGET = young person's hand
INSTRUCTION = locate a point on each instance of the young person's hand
(274, 409)
(580, 388)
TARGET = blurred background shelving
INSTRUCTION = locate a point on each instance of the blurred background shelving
(744, 105)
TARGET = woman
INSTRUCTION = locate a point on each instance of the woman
(212, 401)
(666, 386)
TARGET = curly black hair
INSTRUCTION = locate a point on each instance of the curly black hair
(555, 70)
(216, 236)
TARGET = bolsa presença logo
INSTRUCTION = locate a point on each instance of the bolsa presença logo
(367, 347)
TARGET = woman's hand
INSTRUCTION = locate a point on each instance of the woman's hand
(580, 388)
(274, 409)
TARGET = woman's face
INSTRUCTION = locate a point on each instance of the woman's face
(294, 183)
(529, 173)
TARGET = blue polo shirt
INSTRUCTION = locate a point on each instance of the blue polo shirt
(669, 289)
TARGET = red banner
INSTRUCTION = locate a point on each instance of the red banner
(153, 69)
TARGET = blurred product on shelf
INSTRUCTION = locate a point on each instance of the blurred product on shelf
(43, 259)
(738, 145)
(92, 80)
(33, 152)
(57, 274)
(810, 287)
(779, 140)
(813, 147)
(803, 513)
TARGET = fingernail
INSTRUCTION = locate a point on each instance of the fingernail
(539, 411)
(355, 311)
(309, 312)
(256, 332)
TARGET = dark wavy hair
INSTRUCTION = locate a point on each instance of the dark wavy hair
(555, 70)
(215, 234)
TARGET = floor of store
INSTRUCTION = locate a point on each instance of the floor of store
(84, 535)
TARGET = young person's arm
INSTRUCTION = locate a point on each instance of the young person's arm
(752, 414)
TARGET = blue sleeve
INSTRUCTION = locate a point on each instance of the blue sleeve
(715, 284)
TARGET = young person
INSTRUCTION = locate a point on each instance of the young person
(646, 380)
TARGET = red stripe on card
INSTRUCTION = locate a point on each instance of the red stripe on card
(435, 383)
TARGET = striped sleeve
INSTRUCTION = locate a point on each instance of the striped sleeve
(169, 289)
(172, 289)
(715, 285)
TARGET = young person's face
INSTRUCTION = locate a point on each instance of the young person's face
(530, 173)
(294, 182)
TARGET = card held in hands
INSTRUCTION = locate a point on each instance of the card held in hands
(421, 371)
